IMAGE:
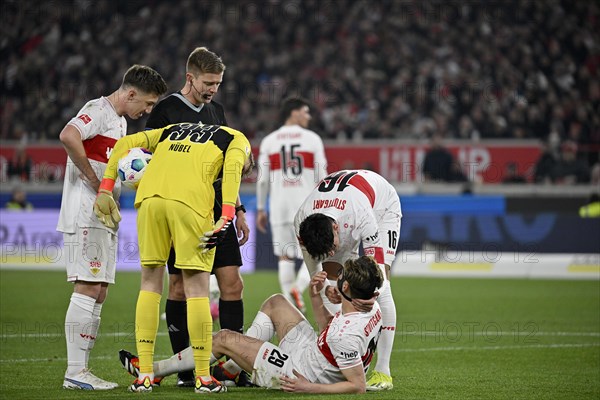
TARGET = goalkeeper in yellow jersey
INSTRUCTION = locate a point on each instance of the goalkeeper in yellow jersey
(175, 202)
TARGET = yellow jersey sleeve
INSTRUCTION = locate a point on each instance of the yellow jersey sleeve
(235, 157)
(146, 139)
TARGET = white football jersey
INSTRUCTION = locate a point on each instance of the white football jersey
(100, 127)
(347, 341)
(291, 162)
(351, 198)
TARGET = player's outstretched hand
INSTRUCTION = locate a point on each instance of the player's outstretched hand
(106, 208)
(211, 238)
(298, 385)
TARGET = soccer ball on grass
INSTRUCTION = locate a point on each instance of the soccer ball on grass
(132, 166)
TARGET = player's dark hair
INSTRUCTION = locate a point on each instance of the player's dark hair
(316, 234)
(145, 79)
(291, 104)
(363, 276)
(202, 60)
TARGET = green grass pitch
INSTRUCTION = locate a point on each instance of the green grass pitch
(456, 339)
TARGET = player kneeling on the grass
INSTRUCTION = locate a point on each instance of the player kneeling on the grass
(334, 361)
(345, 209)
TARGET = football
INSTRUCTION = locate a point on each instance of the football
(132, 166)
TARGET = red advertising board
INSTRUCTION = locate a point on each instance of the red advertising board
(48, 162)
(402, 162)
(398, 162)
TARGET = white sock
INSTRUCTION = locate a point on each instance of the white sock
(303, 278)
(182, 361)
(262, 327)
(78, 324)
(332, 308)
(94, 326)
(388, 331)
(287, 274)
(232, 367)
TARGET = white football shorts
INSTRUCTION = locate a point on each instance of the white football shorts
(90, 255)
(273, 361)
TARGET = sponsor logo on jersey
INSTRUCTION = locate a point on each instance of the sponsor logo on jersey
(372, 238)
(352, 354)
(375, 319)
(85, 118)
(265, 354)
(99, 147)
(327, 203)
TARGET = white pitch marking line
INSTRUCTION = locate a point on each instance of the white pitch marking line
(421, 350)
(58, 335)
(492, 332)
(399, 333)
(26, 360)
(479, 348)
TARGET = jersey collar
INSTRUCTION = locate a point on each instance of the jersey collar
(188, 103)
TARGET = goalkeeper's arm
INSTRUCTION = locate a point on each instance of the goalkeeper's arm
(105, 207)
(233, 165)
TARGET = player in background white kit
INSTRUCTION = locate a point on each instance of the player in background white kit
(291, 162)
(346, 208)
(90, 249)
(333, 361)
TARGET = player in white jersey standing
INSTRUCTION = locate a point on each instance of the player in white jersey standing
(90, 247)
(333, 361)
(346, 208)
(291, 162)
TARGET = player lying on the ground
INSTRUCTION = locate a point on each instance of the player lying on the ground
(334, 361)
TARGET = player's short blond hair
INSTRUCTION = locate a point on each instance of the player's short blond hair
(202, 60)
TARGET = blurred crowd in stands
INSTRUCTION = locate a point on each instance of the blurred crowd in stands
(374, 69)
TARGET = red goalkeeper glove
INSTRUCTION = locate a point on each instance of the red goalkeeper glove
(212, 238)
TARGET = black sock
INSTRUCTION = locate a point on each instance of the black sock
(231, 315)
(178, 330)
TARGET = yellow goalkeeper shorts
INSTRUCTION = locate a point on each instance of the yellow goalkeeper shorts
(162, 223)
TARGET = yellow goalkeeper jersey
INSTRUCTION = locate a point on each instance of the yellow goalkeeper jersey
(187, 159)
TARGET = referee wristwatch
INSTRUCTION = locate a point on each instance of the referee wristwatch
(240, 208)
